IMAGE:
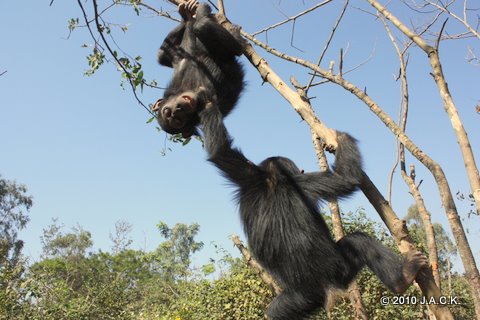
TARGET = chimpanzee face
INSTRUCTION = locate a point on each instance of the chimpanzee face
(177, 114)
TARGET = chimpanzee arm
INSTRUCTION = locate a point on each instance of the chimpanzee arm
(170, 50)
(218, 144)
(216, 39)
(345, 178)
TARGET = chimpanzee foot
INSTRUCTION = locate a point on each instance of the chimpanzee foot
(414, 262)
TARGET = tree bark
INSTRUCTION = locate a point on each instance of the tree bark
(427, 222)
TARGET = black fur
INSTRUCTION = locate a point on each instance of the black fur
(285, 231)
(203, 54)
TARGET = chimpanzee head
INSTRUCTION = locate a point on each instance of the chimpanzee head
(280, 165)
(178, 113)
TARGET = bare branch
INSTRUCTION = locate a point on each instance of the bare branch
(221, 8)
(400, 157)
(437, 43)
(158, 12)
(292, 18)
(87, 22)
(353, 291)
(472, 57)
(451, 109)
(409, 33)
(327, 44)
(464, 21)
(403, 103)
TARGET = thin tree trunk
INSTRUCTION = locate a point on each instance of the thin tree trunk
(449, 275)
(264, 275)
(410, 179)
(427, 222)
(405, 243)
(353, 291)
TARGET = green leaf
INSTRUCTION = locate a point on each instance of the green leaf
(150, 120)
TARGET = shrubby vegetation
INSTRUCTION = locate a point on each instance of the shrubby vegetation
(72, 282)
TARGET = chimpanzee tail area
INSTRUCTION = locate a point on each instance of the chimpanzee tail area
(285, 231)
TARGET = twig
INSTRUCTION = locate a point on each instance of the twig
(85, 17)
(327, 44)
(402, 118)
(463, 21)
(100, 31)
(292, 18)
(437, 42)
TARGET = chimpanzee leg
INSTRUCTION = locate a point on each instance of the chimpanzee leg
(359, 249)
(217, 39)
(170, 51)
(293, 305)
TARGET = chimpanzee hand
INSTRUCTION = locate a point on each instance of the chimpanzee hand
(187, 9)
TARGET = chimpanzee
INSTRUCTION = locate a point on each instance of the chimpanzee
(203, 55)
(285, 231)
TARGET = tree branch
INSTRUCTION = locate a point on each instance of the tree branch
(100, 31)
(267, 278)
(292, 18)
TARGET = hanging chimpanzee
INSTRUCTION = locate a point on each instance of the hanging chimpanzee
(285, 231)
(203, 56)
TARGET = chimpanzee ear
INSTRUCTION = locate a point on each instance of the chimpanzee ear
(156, 105)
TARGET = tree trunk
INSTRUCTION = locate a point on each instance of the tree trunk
(353, 291)
(427, 222)
(405, 243)
(449, 275)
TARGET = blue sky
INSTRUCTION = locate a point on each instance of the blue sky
(84, 150)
